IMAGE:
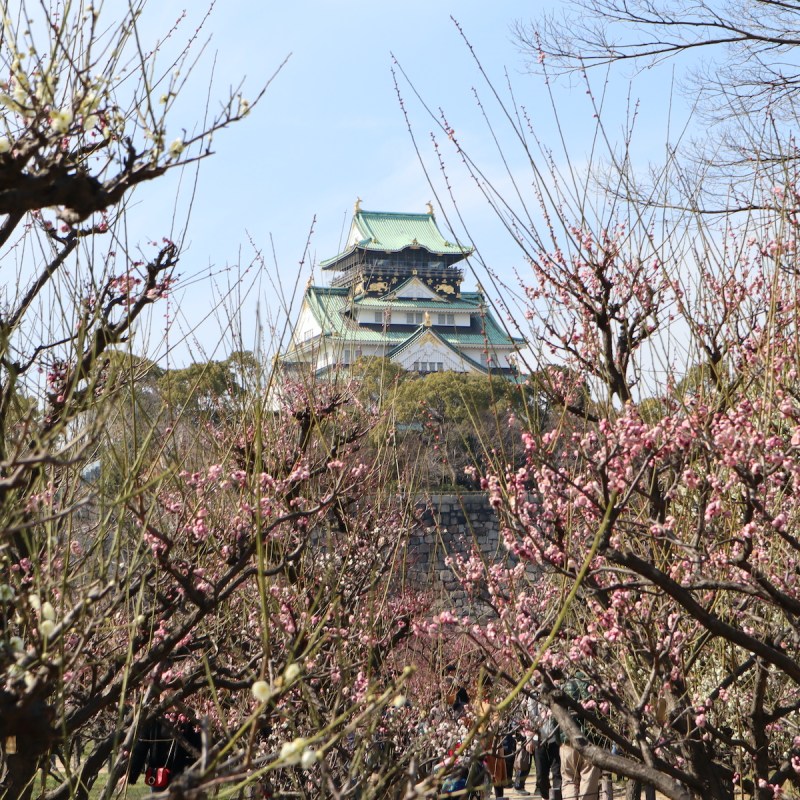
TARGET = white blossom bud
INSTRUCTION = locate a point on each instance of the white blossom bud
(291, 672)
(292, 752)
(261, 691)
(309, 758)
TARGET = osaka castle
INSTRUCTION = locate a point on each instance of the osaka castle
(395, 292)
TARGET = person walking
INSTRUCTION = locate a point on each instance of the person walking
(580, 778)
(495, 744)
(525, 729)
(547, 751)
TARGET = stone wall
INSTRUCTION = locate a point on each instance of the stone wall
(451, 524)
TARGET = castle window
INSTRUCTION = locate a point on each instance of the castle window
(379, 317)
(424, 367)
(445, 319)
(414, 317)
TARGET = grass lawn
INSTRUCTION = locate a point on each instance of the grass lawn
(136, 792)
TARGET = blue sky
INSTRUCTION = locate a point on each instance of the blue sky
(330, 129)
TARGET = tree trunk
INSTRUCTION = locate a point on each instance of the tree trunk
(21, 756)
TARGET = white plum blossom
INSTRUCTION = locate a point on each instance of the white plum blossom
(5, 144)
(292, 671)
(176, 147)
(61, 119)
(44, 90)
(20, 95)
(90, 103)
(292, 752)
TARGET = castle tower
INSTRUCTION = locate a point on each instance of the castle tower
(397, 293)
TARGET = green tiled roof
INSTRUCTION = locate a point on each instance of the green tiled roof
(383, 231)
(469, 301)
(330, 304)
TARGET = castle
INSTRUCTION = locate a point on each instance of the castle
(396, 293)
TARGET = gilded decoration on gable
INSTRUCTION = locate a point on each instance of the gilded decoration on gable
(427, 339)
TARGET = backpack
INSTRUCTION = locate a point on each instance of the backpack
(577, 687)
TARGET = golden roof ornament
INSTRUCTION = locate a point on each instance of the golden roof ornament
(430, 207)
(357, 206)
(427, 319)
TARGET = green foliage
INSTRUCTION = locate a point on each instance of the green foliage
(441, 424)
(149, 401)
(379, 380)
(457, 399)
(209, 387)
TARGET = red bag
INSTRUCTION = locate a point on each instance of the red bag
(157, 778)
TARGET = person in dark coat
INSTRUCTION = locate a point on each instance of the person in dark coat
(162, 746)
(456, 694)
